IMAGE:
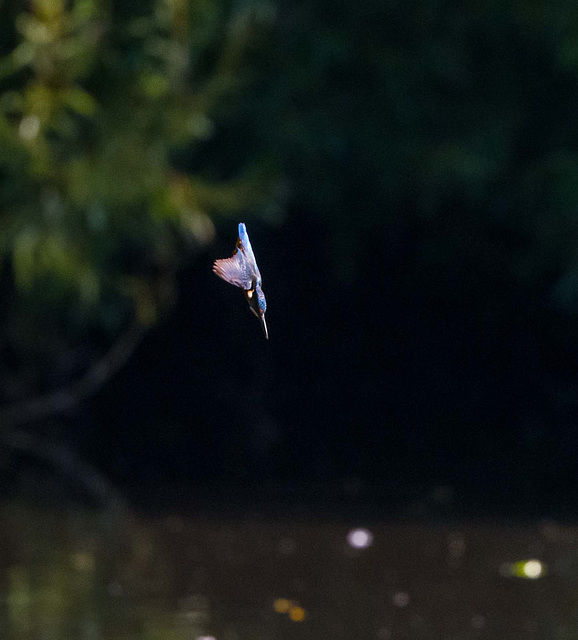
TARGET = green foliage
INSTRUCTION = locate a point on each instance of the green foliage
(104, 192)
(94, 101)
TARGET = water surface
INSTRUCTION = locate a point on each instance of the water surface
(75, 574)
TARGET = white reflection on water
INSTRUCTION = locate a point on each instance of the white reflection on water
(359, 538)
(401, 599)
(529, 569)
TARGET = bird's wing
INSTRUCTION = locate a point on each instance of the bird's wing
(235, 271)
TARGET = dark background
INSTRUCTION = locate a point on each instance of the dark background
(407, 172)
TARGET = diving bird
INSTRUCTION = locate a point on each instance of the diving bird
(241, 270)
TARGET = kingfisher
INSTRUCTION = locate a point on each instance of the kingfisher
(241, 270)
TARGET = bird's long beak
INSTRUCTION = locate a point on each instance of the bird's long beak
(264, 325)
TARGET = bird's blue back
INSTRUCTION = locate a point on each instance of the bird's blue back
(244, 237)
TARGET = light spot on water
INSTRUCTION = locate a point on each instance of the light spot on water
(400, 599)
(359, 538)
(281, 605)
(297, 614)
(478, 621)
(532, 569)
(528, 569)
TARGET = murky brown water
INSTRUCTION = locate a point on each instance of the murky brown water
(78, 575)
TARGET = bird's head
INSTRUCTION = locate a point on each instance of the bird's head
(258, 304)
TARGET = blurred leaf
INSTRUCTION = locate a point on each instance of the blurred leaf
(80, 101)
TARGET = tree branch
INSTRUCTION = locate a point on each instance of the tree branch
(67, 462)
(67, 398)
